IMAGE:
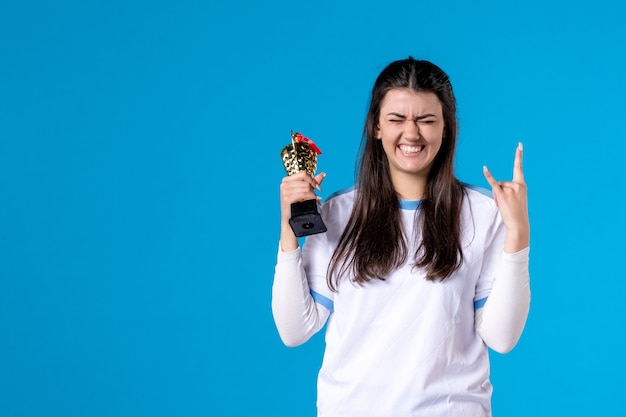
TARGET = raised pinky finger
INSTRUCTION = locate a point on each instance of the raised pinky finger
(490, 179)
(496, 189)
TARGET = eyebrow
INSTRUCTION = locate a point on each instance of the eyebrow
(420, 117)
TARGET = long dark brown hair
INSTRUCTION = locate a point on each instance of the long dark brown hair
(373, 243)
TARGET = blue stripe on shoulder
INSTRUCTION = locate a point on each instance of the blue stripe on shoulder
(479, 303)
(325, 301)
(340, 192)
(478, 189)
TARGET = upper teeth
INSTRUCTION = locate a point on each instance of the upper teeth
(406, 148)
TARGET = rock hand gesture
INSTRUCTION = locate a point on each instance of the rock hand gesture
(511, 199)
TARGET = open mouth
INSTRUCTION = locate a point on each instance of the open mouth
(407, 150)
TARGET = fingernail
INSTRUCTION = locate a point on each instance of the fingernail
(520, 146)
(317, 187)
(485, 169)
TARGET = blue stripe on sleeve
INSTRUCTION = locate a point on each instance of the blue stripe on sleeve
(325, 301)
(479, 303)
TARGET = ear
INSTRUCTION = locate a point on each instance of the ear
(377, 134)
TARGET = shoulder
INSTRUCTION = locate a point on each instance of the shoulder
(479, 204)
(340, 198)
(478, 195)
(480, 216)
(475, 191)
(337, 207)
(347, 192)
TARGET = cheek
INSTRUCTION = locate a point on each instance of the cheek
(390, 131)
(436, 134)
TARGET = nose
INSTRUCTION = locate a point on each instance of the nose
(412, 129)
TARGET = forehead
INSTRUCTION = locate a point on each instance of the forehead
(407, 100)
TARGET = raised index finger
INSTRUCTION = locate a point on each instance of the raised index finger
(518, 173)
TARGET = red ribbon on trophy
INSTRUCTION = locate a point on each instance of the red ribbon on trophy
(313, 146)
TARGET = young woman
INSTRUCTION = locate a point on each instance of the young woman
(418, 273)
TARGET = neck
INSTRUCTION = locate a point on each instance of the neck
(409, 187)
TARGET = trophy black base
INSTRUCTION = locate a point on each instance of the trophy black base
(305, 219)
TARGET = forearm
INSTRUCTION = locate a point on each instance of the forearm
(296, 314)
(503, 317)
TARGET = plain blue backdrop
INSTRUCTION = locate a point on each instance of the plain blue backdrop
(139, 173)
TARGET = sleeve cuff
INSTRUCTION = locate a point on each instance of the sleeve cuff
(288, 255)
(520, 256)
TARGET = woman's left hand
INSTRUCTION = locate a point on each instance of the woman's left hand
(511, 199)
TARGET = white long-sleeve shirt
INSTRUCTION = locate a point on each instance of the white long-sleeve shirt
(406, 346)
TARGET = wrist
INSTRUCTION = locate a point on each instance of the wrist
(288, 239)
(516, 240)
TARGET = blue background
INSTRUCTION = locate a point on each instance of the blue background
(139, 173)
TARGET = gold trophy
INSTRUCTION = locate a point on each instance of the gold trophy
(301, 155)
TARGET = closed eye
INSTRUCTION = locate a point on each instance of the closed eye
(424, 118)
(396, 117)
